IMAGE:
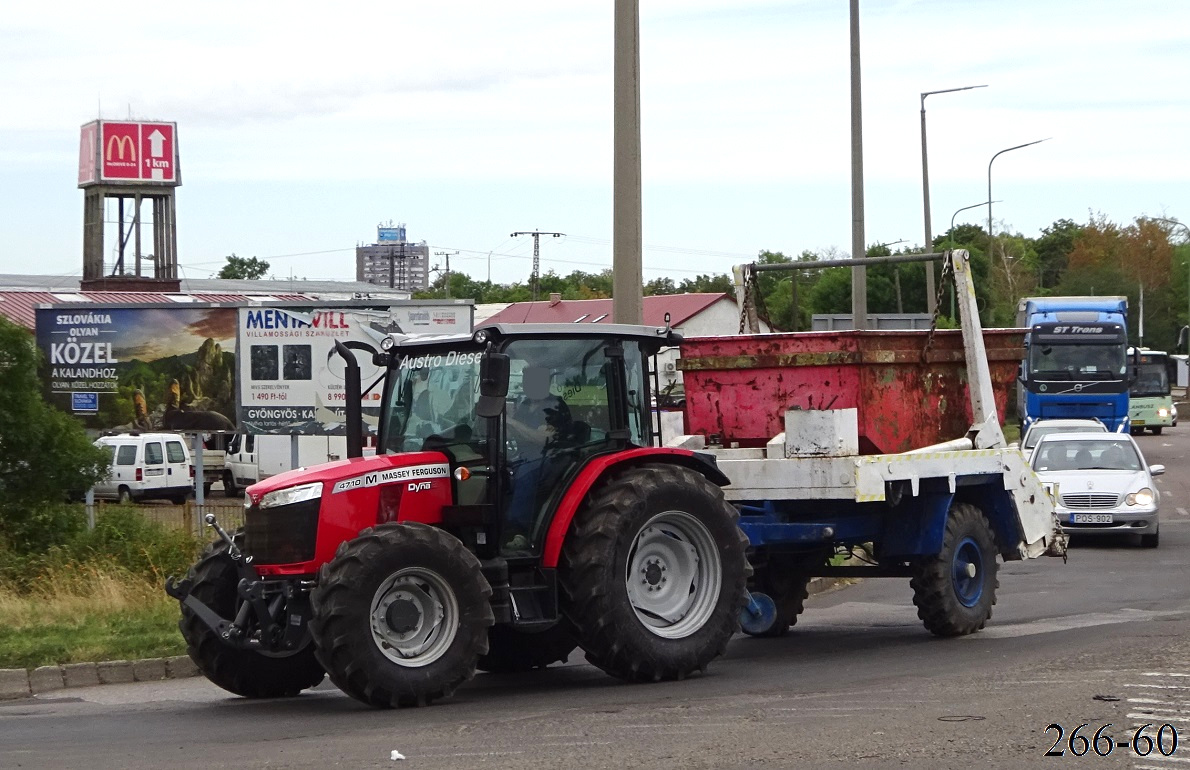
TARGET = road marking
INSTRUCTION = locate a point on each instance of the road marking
(1183, 511)
(1163, 673)
(1048, 626)
(1158, 686)
(1162, 717)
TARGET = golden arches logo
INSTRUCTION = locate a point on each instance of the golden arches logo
(123, 143)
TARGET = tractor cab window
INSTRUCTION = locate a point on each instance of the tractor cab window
(432, 402)
(561, 411)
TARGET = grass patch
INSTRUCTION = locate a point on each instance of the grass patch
(99, 596)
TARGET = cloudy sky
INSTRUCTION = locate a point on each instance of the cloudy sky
(303, 125)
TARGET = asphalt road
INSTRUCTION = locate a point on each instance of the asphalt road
(1101, 639)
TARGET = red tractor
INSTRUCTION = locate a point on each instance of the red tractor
(519, 506)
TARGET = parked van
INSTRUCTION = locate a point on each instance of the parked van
(146, 466)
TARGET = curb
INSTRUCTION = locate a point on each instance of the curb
(16, 683)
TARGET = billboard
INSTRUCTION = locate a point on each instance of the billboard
(290, 379)
(141, 368)
(122, 152)
(390, 234)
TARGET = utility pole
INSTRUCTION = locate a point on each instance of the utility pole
(446, 254)
(536, 253)
(859, 273)
(627, 247)
(392, 282)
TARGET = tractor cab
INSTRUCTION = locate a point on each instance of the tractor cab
(518, 411)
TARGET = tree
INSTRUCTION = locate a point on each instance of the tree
(44, 453)
(244, 268)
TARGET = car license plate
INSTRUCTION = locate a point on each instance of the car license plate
(1091, 518)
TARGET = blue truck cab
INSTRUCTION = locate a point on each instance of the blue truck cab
(1076, 360)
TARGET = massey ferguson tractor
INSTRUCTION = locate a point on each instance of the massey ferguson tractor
(520, 505)
(516, 509)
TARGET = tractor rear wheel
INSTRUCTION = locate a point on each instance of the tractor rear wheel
(244, 672)
(512, 650)
(954, 590)
(653, 573)
(401, 615)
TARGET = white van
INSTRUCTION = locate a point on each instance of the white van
(146, 466)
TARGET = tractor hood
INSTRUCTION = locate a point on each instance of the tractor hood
(356, 473)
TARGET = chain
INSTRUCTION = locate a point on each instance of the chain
(748, 279)
(946, 272)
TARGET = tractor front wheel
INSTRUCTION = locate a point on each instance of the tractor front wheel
(401, 615)
(243, 672)
(653, 573)
(954, 590)
(513, 650)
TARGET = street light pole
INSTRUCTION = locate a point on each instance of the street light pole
(925, 192)
(990, 162)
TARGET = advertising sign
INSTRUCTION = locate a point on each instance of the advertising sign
(128, 151)
(290, 379)
(141, 368)
(390, 234)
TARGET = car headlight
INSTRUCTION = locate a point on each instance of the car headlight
(292, 495)
(1163, 412)
(1143, 497)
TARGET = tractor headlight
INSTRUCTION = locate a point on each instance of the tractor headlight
(1143, 497)
(292, 495)
(1163, 412)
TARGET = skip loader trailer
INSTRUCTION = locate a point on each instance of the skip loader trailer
(521, 507)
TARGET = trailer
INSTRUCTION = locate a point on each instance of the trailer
(520, 506)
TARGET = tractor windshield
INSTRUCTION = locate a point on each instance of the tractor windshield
(432, 402)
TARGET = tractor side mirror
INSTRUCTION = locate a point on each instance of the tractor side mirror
(493, 384)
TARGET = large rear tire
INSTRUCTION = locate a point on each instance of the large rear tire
(954, 590)
(653, 573)
(513, 650)
(243, 672)
(401, 615)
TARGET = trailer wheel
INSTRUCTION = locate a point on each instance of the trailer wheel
(401, 615)
(229, 485)
(789, 590)
(954, 591)
(512, 649)
(248, 673)
(653, 573)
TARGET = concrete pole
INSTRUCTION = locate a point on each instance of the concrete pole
(931, 299)
(627, 268)
(859, 275)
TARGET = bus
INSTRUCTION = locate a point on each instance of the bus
(1150, 405)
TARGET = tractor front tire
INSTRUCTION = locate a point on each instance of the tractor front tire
(401, 615)
(653, 573)
(243, 672)
(512, 650)
(954, 590)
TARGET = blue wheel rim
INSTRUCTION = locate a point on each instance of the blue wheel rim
(968, 582)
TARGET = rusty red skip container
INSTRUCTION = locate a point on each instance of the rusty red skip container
(740, 387)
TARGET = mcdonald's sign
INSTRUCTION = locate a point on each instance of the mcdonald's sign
(122, 152)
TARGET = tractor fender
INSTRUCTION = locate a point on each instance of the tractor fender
(600, 466)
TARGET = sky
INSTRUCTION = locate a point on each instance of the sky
(303, 126)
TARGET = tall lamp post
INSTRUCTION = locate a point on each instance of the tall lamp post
(950, 232)
(925, 191)
(990, 162)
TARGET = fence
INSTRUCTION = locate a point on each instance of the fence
(189, 516)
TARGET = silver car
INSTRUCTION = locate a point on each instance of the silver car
(1102, 484)
(1041, 428)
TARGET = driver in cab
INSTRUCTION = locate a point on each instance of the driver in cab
(539, 419)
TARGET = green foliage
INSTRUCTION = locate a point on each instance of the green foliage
(123, 541)
(44, 453)
(244, 268)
